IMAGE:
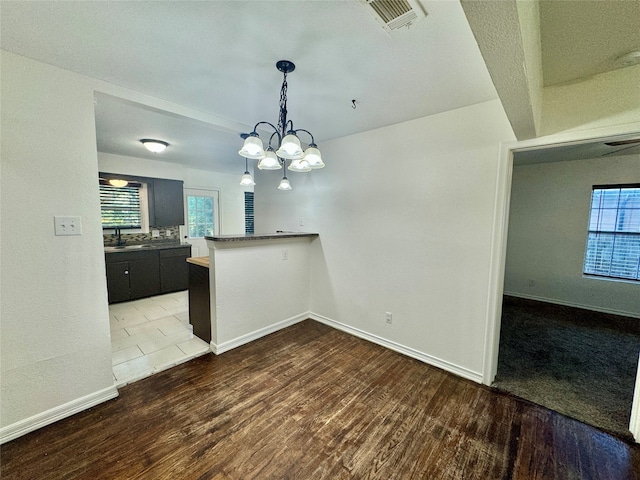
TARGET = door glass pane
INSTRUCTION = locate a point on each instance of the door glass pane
(200, 216)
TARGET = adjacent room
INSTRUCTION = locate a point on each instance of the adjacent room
(569, 332)
(340, 185)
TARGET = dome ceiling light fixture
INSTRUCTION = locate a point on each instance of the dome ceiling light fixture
(155, 146)
(118, 183)
(284, 143)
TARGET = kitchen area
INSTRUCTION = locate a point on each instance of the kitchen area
(147, 275)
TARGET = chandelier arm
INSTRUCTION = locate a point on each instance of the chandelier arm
(279, 138)
(290, 125)
(307, 132)
(255, 129)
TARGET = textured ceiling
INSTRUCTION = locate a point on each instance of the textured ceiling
(218, 57)
(583, 38)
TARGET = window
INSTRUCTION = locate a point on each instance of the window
(613, 242)
(123, 207)
(248, 212)
(200, 219)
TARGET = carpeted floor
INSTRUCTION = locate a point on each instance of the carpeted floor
(577, 362)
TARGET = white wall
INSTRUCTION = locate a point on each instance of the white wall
(604, 100)
(548, 221)
(56, 349)
(54, 318)
(402, 232)
(254, 290)
(231, 194)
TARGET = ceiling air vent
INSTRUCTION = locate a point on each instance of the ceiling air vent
(395, 14)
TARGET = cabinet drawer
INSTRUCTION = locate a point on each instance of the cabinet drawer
(125, 256)
(175, 252)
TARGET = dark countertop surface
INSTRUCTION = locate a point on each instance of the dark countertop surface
(144, 246)
(259, 236)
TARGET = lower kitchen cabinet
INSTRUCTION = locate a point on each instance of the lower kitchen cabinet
(174, 270)
(139, 274)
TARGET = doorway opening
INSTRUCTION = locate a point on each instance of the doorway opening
(567, 341)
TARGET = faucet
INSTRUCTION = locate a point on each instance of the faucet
(118, 232)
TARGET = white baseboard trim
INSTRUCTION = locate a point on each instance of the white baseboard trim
(575, 305)
(409, 352)
(250, 337)
(40, 420)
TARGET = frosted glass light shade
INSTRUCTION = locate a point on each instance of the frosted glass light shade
(247, 180)
(313, 157)
(300, 165)
(118, 183)
(270, 161)
(290, 147)
(155, 146)
(252, 148)
(284, 184)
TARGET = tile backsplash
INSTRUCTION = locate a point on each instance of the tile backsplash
(137, 238)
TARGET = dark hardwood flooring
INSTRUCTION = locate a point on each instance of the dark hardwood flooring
(311, 402)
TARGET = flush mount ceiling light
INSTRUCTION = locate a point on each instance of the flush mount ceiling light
(155, 146)
(284, 143)
(118, 183)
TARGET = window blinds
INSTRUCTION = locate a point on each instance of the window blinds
(248, 212)
(613, 242)
(120, 206)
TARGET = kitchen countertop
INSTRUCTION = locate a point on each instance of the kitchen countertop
(259, 236)
(144, 246)
(202, 261)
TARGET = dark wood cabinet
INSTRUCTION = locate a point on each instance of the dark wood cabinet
(199, 301)
(174, 270)
(118, 281)
(144, 276)
(139, 274)
(168, 203)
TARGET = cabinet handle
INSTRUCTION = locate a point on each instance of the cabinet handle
(126, 272)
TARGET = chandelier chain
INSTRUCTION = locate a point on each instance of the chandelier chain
(282, 120)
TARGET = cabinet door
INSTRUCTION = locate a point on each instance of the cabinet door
(144, 276)
(118, 281)
(174, 270)
(168, 203)
(199, 301)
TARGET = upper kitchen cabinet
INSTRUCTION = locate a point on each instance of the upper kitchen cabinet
(167, 207)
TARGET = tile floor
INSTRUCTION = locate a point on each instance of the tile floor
(150, 335)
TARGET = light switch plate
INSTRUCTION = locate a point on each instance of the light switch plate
(67, 225)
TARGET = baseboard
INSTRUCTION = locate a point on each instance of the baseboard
(409, 352)
(611, 311)
(250, 337)
(40, 420)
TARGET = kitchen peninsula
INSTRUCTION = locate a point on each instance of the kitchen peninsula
(258, 284)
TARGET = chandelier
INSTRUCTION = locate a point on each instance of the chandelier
(283, 144)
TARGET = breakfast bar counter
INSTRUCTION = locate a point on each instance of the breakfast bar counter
(258, 284)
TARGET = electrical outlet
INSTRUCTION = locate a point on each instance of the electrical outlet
(155, 233)
(285, 254)
(167, 233)
(388, 317)
(67, 225)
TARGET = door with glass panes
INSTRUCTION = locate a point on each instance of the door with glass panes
(202, 218)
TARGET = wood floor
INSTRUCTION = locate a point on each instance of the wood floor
(311, 402)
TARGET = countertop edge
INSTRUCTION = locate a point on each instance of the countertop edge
(146, 248)
(259, 236)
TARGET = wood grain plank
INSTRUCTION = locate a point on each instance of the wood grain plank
(310, 402)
